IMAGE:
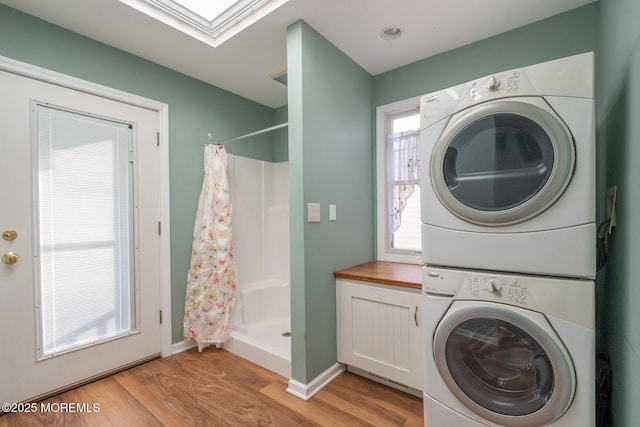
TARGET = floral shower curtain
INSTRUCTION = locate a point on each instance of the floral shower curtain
(211, 284)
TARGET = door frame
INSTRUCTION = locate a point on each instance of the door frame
(162, 114)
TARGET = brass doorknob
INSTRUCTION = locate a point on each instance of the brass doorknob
(10, 258)
(9, 235)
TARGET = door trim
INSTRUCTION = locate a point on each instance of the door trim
(162, 113)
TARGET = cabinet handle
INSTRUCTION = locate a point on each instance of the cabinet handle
(415, 316)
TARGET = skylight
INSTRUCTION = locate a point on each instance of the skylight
(210, 21)
(207, 9)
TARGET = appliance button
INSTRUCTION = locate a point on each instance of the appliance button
(493, 83)
(494, 285)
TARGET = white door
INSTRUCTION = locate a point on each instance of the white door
(33, 363)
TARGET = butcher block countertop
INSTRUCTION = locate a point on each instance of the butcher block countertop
(388, 273)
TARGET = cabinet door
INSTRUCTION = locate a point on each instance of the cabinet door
(379, 330)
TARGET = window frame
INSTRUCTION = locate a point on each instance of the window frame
(384, 115)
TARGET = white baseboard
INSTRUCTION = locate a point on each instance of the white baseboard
(179, 347)
(306, 391)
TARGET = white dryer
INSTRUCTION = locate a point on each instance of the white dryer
(508, 350)
(508, 171)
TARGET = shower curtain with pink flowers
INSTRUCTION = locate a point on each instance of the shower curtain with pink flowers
(211, 285)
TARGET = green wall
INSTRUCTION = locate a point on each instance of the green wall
(330, 161)
(195, 109)
(280, 136)
(618, 110)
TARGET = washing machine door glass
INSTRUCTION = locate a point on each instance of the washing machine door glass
(500, 366)
(503, 366)
(502, 162)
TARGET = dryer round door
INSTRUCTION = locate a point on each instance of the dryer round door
(503, 162)
(504, 363)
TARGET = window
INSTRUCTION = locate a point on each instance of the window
(85, 248)
(211, 21)
(398, 186)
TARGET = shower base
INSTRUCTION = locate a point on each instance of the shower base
(265, 338)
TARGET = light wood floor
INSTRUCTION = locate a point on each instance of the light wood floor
(218, 388)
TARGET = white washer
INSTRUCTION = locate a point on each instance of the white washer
(508, 350)
(508, 171)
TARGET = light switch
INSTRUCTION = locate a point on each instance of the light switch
(332, 212)
(313, 212)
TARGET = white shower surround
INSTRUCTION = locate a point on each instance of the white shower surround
(260, 199)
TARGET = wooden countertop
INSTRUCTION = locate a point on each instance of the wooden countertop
(389, 273)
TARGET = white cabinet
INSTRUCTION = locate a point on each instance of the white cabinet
(380, 333)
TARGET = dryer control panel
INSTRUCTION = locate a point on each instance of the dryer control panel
(501, 85)
(495, 86)
(561, 77)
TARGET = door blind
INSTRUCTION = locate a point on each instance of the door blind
(85, 239)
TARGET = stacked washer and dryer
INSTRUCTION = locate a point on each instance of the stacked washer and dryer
(508, 212)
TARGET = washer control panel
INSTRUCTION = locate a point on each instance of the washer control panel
(511, 290)
(548, 295)
(479, 286)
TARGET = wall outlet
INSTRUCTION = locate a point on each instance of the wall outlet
(332, 212)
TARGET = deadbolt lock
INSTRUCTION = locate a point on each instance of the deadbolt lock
(9, 234)
(10, 258)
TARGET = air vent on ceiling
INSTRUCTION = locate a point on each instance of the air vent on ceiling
(280, 77)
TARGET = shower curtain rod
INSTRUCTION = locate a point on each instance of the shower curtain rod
(258, 132)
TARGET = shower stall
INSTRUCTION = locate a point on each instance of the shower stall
(261, 322)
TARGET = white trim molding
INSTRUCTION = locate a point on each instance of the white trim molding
(162, 110)
(181, 346)
(240, 15)
(307, 391)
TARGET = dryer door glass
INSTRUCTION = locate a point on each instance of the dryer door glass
(498, 162)
(500, 366)
(502, 162)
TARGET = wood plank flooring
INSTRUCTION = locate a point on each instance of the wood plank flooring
(218, 388)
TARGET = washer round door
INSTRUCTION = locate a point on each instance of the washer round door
(504, 363)
(503, 162)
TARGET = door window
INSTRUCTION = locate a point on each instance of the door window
(85, 210)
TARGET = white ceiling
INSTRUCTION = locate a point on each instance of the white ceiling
(244, 64)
